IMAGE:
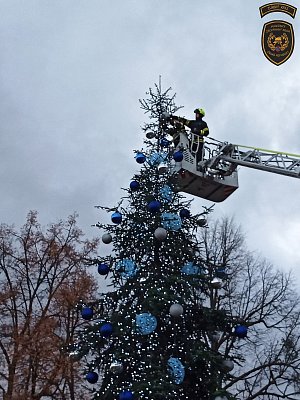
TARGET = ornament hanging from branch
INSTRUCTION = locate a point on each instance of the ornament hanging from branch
(92, 377)
(87, 313)
(160, 234)
(176, 310)
(176, 369)
(126, 267)
(145, 323)
(106, 238)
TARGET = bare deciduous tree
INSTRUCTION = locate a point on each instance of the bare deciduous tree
(42, 278)
(267, 362)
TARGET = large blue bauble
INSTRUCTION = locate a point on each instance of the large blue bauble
(140, 158)
(164, 142)
(241, 331)
(106, 329)
(103, 269)
(178, 156)
(176, 370)
(190, 269)
(92, 377)
(145, 323)
(116, 217)
(171, 221)
(126, 395)
(157, 158)
(166, 193)
(154, 206)
(126, 267)
(87, 313)
(184, 213)
(134, 185)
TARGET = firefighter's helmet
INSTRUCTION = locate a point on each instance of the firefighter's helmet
(200, 111)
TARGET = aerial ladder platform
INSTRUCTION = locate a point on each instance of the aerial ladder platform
(216, 177)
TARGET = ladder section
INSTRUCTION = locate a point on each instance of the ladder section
(266, 160)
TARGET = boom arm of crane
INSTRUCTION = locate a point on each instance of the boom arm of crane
(232, 155)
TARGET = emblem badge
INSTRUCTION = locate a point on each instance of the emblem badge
(277, 41)
(278, 7)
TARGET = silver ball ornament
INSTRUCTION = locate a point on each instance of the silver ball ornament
(202, 222)
(160, 234)
(150, 135)
(116, 367)
(176, 310)
(106, 238)
(162, 168)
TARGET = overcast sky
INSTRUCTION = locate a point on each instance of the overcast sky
(71, 74)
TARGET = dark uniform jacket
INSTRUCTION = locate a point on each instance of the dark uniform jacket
(198, 127)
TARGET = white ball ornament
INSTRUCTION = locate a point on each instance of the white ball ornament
(176, 310)
(106, 238)
(160, 234)
(216, 283)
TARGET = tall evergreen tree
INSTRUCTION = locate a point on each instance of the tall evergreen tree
(154, 336)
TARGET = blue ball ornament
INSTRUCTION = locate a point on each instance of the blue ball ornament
(116, 217)
(157, 158)
(87, 313)
(178, 156)
(166, 193)
(190, 269)
(126, 395)
(103, 269)
(134, 185)
(241, 331)
(164, 142)
(176, 370)
(140, 158)
(145, 323)
(126, 267)
(106, 329)
(171, 221)
(184, 213)
(92, 377)
(154, 206)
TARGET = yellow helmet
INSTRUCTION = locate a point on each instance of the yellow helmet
(200, 111)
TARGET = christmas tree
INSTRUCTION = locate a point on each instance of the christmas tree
(156, 334)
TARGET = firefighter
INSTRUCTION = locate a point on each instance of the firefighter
(199, 130)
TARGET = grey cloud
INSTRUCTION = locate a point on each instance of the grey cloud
(72, 73)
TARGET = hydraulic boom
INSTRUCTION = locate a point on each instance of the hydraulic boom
(252, 157)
